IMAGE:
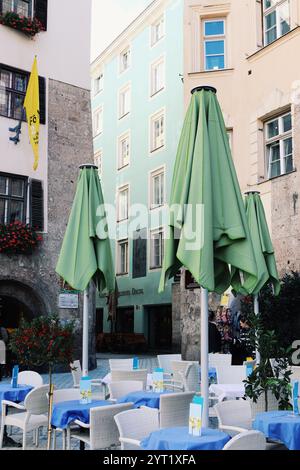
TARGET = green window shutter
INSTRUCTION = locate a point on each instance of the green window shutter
(41, 11)
(36, 205)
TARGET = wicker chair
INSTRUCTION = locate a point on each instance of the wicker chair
(139, 375)
(77, 374)
(174, 409)
(259, 406)
(32, 415)
(123, 387)
(134, 425)
(64, 394)
(234, 416)
(165, 361)
(186, 375)
(248, 440)
(121, 364)
(231, 374)
(219, 360)
(102, 431)
(29, 377)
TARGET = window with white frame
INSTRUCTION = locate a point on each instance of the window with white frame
(230, 136)
(98, 121)
(276, 21)
(156, 248)
(21, 7)
(157, 76)
(123, 150)
(214, 44)
(122, 257)
(124, 101)
(125, 60)
(157, 30)
(98, 83)
(279, 145)
(157, 188)
(123, 203)
(98, 162)
(157, 131)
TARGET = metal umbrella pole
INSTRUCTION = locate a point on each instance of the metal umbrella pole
(204, 356)
(85, 333)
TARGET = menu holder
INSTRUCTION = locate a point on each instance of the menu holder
(85, 390)
(158, 380)
(195, 420)
(249, 364)
(135, 363)
(295, 396)
(14, 379)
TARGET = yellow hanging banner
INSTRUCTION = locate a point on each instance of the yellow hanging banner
(32, 107)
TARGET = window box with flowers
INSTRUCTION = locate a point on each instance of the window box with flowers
(28, 26)
(18, 238)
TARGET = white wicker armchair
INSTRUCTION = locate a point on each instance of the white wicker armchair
(134, 425)
(64, 394)
(174, 409)
(121, 364)
(29, 377)
(139, 375)
(123, 387)
(186, 375)
(77, 374)
(248, 440)
(165, 362)
(234, 416)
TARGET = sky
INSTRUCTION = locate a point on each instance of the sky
(109, 18)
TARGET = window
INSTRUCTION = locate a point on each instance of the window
(276, 19)
(122, 257)
(123, 150)
(123, 200)
(279, 145)
(12, 198)
(157, 76)
(157, 188)
(157, 31)
(21, 7)
(12, 93)
(214, 44)
(124, 101)
(125, 60)
(98, 162)
(98, 121)
(98, 84)
(157, 131)
(156, 249)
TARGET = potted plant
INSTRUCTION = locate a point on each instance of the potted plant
(28, 26)
(46, 340)
(18, 237)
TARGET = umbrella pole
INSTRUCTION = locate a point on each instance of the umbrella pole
(256, 311)
(204, 355)
(85, 333)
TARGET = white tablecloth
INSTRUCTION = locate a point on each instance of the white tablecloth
(228, 391)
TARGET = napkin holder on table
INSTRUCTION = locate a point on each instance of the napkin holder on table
(195, 420)
(249, 364)
(158, 380)
(14, 379)
(135, 363)
(295, 396)
(85, 390)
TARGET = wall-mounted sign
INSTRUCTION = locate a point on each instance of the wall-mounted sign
(68, 300)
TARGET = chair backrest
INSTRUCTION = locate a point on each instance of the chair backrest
(179, 368)
(219, 360)
(295, 373)
(175, 409)
(234, 413)
(137, 423)
(76, 372)
(164, 361)
(139, 375)
(231, 374)
(2, 352)
(248, 440)
(121, 364)
(260, 405)
(121, 388)
(103, 429)
(29, 377)
(36, 402)
(66, 394)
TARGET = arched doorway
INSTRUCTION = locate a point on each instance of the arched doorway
(12, 311)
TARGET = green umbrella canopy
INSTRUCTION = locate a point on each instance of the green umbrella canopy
(262, 244)
(86, 251)
(205, 182)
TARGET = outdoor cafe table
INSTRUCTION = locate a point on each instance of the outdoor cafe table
(282, 426)
(15, 394)
(143, 398)
(230, 391)
(65, 412)
(179, 439)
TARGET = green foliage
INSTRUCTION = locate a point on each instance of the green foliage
(46, 340)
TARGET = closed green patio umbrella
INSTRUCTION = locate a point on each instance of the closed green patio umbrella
(86, 253)
(208, 230)
(263, 247)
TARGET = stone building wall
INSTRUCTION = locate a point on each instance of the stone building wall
(31, 279)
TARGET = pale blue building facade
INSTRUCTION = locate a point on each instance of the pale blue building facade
(138, 111)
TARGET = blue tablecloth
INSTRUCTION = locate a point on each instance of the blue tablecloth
(7, 392)
(283, 426)
(143, 398)
(65, 412)
(180, 439)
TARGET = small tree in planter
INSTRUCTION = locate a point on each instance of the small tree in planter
(46, 340)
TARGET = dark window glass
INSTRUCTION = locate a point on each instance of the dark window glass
(12, 198)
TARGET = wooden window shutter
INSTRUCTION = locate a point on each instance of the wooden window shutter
(42, 89)
(41, 11)
(36, 205)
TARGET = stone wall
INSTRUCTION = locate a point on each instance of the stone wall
(69, 145)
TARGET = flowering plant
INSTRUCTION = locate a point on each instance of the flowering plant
(29, 26)
(18, 237)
